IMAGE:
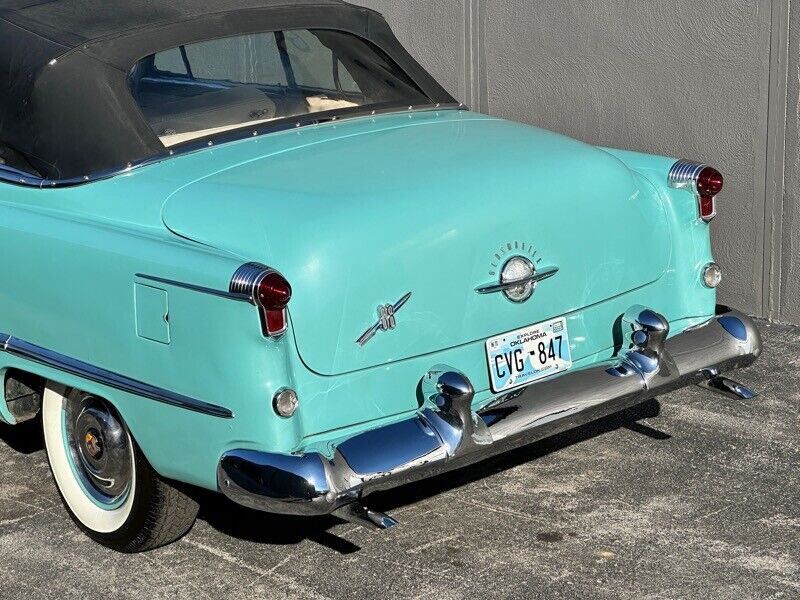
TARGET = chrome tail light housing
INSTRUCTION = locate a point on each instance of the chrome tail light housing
(706, 183)
(268, 290)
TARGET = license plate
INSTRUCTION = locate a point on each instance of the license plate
(521, 357)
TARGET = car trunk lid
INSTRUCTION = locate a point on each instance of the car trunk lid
(359, 215)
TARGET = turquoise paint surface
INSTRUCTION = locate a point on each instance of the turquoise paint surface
(152, 313)
(435, 207)
(355, 214)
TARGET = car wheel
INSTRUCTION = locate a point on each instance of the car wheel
(108, 487)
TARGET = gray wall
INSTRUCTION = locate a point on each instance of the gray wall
(699, 79)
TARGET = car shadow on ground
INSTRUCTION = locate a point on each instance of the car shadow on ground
(237, 521)
(25, 438)
(243, 523)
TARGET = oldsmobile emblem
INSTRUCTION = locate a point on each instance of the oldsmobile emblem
(386, 319)
(519, 274)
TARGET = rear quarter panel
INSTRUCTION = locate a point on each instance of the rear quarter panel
(691, 239)
(67, 283)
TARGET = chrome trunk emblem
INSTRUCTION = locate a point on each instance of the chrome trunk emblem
(386, 319)
(518, 279)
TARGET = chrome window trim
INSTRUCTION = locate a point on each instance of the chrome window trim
(66, 364)
(11, 175)
(20, 178)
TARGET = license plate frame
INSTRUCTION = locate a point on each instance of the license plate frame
(507, 351)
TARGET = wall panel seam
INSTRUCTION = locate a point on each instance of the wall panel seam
(474, 55)
(480, 50)
(774, 180)
(466, 7)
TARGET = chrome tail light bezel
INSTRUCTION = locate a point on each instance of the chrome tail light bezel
(245, 282)
(685, 174)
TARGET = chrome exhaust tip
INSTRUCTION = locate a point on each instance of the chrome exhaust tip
(359, 514)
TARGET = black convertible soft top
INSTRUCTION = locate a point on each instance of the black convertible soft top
(66, 107)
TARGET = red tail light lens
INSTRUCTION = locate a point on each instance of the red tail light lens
(273, 292)
(272, 295)
(709, 184)
(274, 322)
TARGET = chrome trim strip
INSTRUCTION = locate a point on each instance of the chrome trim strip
(35, 181)
(448, 432)
(310, 119)
(684, 174)
(15, 177)
(52, 359)
(246, 279)
(12, 175)
(539, 275)
(196, 288)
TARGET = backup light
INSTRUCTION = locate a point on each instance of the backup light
(712, 275)
(285, 402)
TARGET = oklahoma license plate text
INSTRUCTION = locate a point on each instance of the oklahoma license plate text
(527, 355)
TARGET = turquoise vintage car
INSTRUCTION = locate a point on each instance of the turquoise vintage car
(252, 246)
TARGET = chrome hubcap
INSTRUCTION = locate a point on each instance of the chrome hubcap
(99, 448)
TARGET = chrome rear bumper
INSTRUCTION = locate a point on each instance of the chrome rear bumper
(447, 434)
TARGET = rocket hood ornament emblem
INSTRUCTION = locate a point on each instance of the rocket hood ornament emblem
(386, 319)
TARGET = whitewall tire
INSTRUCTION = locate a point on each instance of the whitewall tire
(108, 487)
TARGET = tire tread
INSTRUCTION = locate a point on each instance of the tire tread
(170, 515)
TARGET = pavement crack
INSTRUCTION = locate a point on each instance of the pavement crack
(262, 573)
(430, 544)
(497, 509)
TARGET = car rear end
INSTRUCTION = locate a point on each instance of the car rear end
(409, 366)
(423, 286)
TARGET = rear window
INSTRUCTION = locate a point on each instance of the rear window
(206, 88)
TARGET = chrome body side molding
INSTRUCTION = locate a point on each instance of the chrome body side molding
(448, 432)
(197, 288)
(60, 362)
